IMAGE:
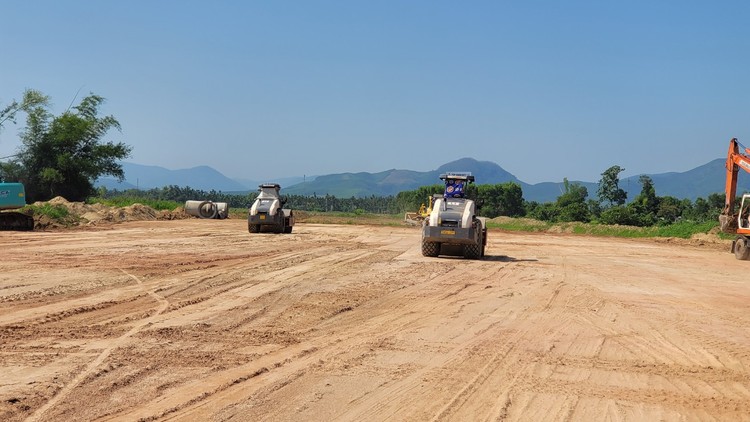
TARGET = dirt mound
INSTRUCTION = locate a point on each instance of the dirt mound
(80, 213)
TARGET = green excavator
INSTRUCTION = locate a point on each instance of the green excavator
(12, 197)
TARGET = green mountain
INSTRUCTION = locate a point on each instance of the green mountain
(391, 182)
(698, 182)
(138, 176)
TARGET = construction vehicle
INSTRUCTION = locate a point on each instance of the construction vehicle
(738, 157)
(453, 227)
(13, 196)
(418, 217)
(267, 213)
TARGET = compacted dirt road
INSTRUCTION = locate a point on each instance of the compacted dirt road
(200, 320)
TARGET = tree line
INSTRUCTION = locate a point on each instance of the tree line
(611, 207)
(493, 200)
(324, 203)
(64, 155)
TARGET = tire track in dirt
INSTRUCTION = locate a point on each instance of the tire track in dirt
(510, 362)
(325, 331)
(389, 402)
(305, 356)
(653, 338)
(91, 367)
(295, 357)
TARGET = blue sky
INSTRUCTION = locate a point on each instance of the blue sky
(263, 89)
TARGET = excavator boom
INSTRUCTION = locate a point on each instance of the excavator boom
(731, 221)
(738, 157)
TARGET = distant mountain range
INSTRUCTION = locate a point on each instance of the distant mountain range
(205, 178)
(698, 182)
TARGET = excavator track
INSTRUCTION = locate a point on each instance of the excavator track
(16, 221)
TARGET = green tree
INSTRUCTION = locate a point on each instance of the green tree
(716, 202)
(64, 155)
(12, 171)
(512, 200)
(412, 199)
(547, 211)
(595, 208)
(670, 208)
(698, 211)
(620, 214)
(646, 204)
(31, 99)
(500, 199)
(609, 189)
(647, 200)
(572, 204)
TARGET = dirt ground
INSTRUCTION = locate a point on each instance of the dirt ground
(200, 320)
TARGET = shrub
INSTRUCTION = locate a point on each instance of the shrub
(621, 215)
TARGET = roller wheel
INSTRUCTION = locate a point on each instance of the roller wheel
(253, 228)
(472, 251)
(741, 249)
(430, 248)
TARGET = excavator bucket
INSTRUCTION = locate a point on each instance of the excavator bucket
(728, 223)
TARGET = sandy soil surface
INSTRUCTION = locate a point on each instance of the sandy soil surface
(200, 320)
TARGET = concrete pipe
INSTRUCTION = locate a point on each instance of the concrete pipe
(222, 210)
(201, 209)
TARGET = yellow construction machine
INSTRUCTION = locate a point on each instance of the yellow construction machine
(418, 217)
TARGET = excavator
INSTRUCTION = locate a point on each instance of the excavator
(730, 221)
(13, 196)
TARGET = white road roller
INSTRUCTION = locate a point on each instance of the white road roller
(267, 212)
(453, 227)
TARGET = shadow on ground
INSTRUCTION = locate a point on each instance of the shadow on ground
(505, 258)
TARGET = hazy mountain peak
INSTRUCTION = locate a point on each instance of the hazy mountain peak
(483, 171)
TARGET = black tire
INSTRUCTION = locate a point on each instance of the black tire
(472, 251)
(288, 229)
(253, 228)
(430, 249)
(741, 249)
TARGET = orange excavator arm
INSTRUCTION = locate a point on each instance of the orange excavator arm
(738, 157)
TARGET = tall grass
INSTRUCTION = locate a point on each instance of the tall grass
(520, 225)
(57, 213)
(54, 212)
(683, 229)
